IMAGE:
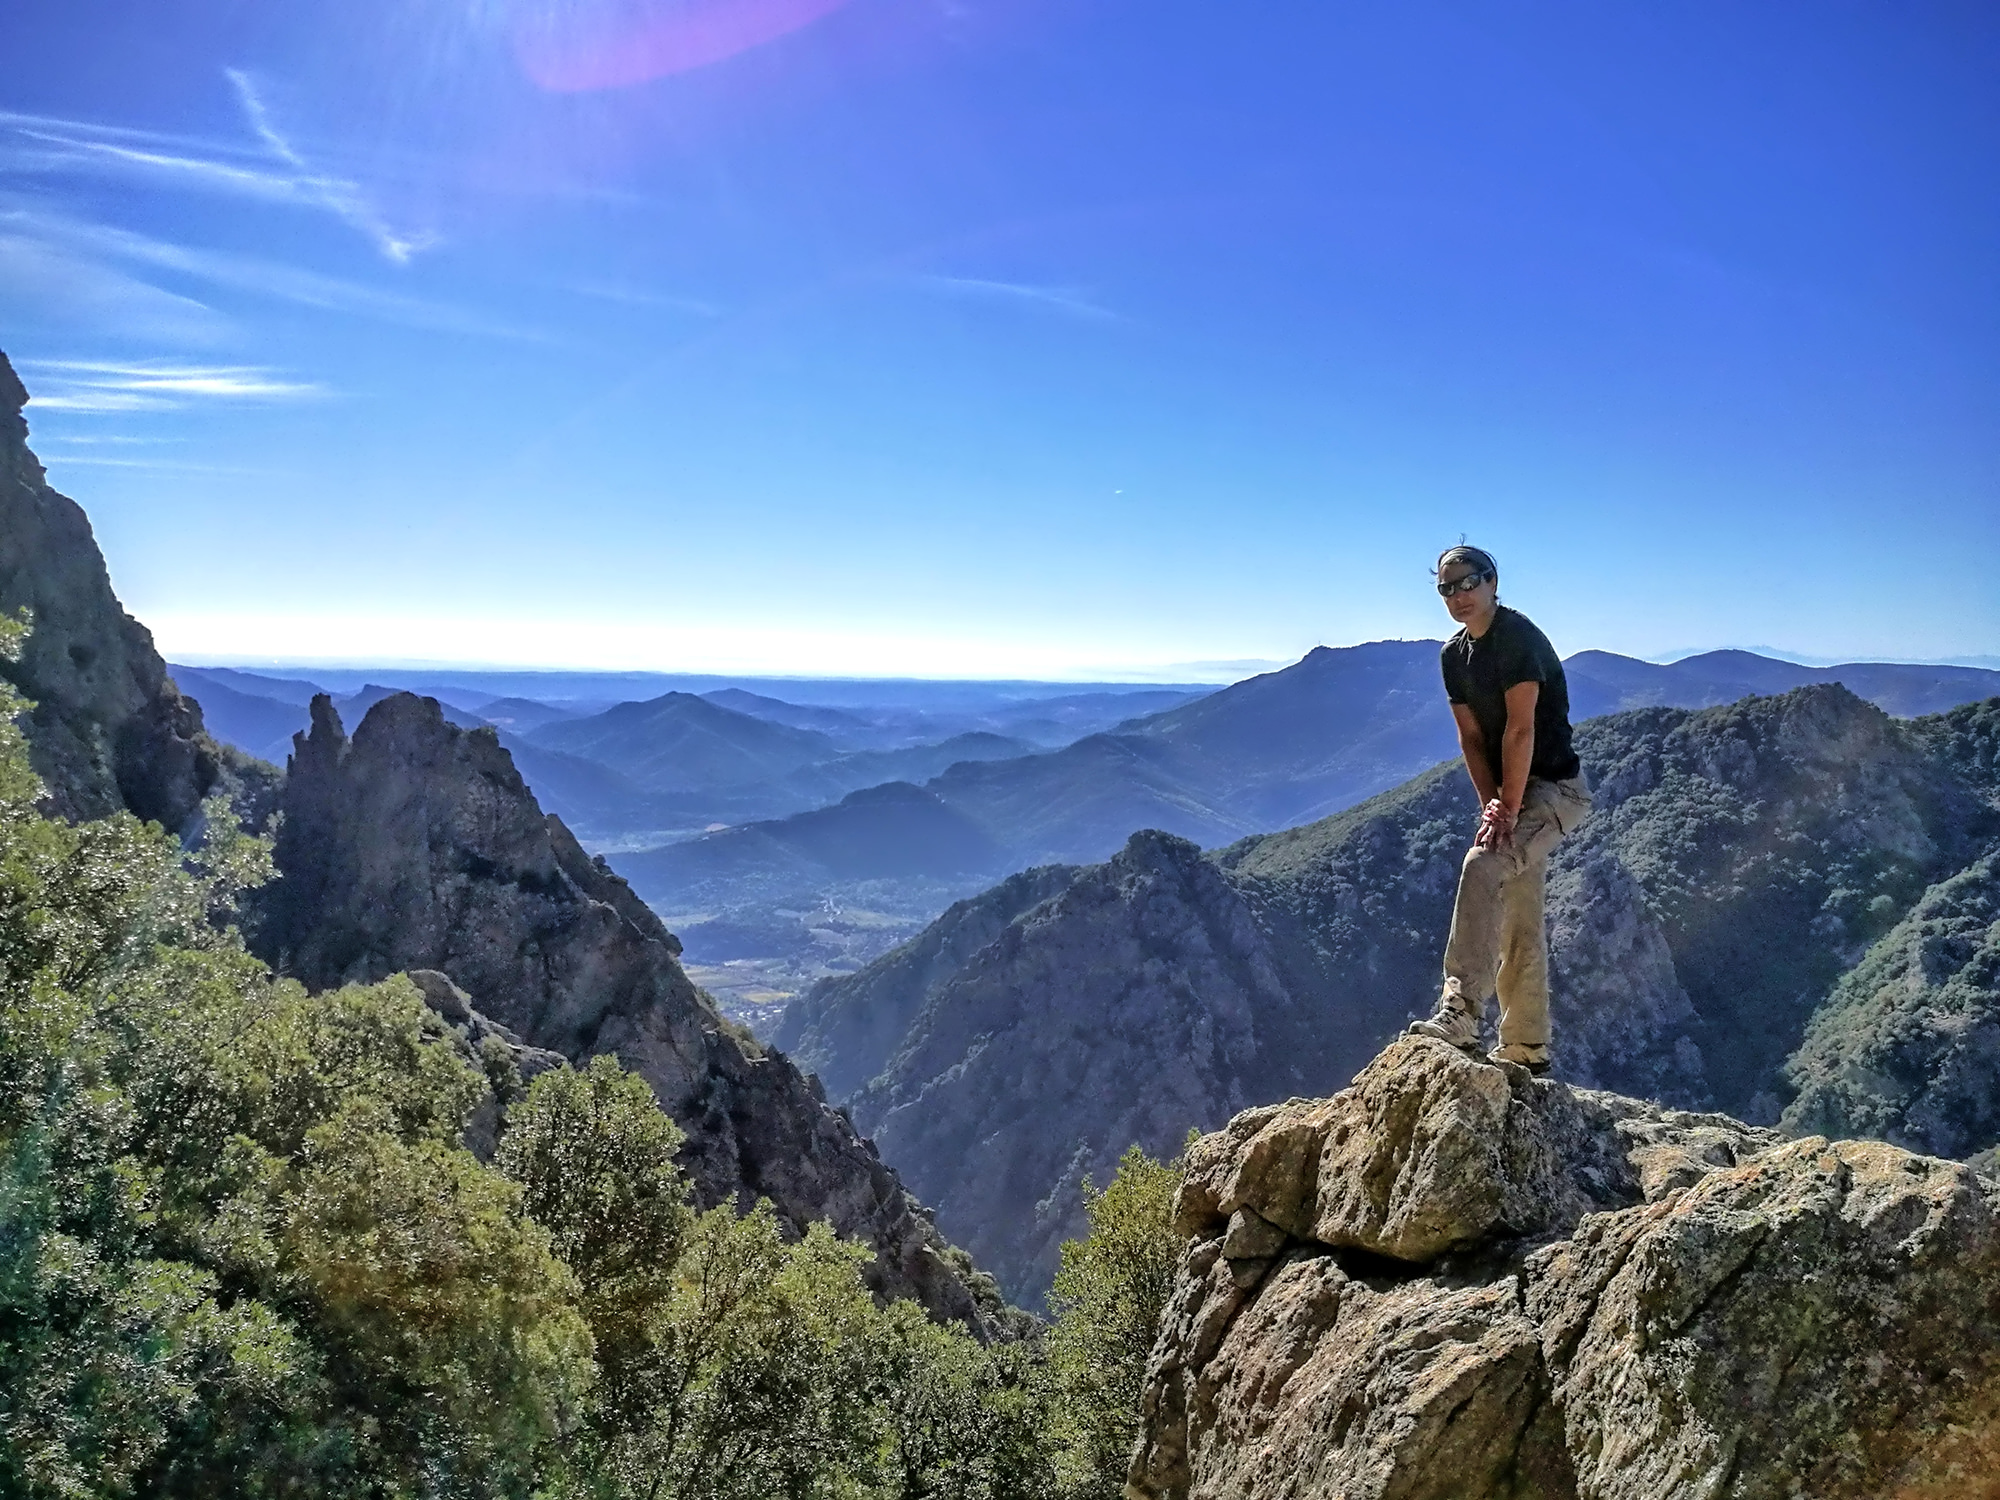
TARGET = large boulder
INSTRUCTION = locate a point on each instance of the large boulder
(1454, 1280)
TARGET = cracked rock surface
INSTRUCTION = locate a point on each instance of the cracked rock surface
(1455, 1282)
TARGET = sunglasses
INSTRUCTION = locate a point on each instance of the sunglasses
(1463, 585)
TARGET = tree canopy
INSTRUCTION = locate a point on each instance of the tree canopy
(244, 1247)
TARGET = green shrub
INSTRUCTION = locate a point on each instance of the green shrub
(243, 1249)
(1108, 1298)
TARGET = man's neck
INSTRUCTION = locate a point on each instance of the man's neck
(1478, 627)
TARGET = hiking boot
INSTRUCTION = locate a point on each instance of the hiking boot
(1535, 1058)
(1450, 1022)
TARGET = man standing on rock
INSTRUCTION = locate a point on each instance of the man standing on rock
(1511, 701)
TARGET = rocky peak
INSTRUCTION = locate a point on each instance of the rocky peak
(1006, 1091)
(18, 465)
(109, 730)
(1451, 1279)
(415, 845)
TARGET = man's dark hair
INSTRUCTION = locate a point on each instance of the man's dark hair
(1477, 556)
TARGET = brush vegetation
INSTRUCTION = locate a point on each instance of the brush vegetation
(244, 1248)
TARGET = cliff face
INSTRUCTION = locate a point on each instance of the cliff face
(416, 846)
(109, 731)
(1452, 1280)
(1740, 860)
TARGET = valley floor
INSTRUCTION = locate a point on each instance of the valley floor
(756, 958)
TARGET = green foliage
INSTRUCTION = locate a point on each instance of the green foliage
(243, 1249)
(1904, 1048)
(240, 1247)
(1108, 1298)
(1967, 739)
(962, 1422)
(763, 1366)
(595, 1160)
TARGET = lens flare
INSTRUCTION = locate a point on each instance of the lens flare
(572, 48)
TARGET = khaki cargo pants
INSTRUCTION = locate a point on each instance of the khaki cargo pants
(1499, 939)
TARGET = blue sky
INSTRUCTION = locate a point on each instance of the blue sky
(941, 337)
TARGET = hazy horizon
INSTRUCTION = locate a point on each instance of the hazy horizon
(1191, 674)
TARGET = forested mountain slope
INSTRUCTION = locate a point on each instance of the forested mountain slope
(1740, 861)
(1908, 1046)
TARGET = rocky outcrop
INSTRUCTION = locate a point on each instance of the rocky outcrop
(109, 730)
(1453, 1280)
(509, 1063)
(1740, 860)
(416, 846)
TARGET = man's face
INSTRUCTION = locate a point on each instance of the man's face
(1467, 605)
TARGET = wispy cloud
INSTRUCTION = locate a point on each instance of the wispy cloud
(91, 386)
(1071, 300)
(46, 282)
(271, 168)
(155, 465)
(31, 225)
(55, 151)
(636, 297)
(110, 439)
(343, 199)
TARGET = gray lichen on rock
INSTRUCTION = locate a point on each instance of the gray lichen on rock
(1495, 1288)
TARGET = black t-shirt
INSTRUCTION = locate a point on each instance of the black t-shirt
(1478, 673)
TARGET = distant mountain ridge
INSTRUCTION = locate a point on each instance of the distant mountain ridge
(623, 770)
(679, 743)
(1273, 750)
(1268, 750)
(1266, 753)
(1601, 682)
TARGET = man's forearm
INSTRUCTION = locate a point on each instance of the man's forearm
(1473, 747)
(1517, 753)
